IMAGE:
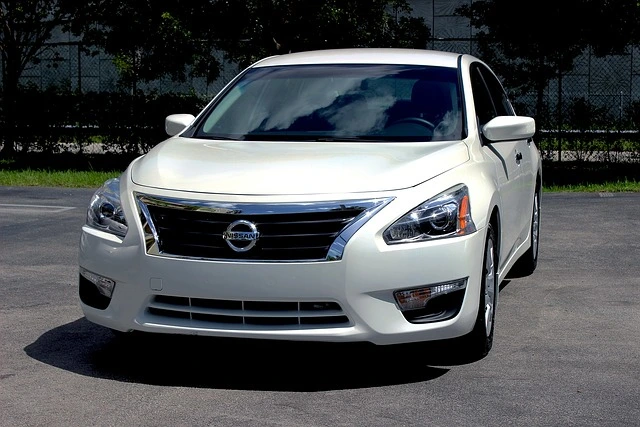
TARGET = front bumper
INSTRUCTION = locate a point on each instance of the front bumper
(361, 285)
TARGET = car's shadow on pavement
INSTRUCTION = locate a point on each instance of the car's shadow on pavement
(86, 349)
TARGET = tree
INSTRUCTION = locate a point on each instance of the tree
(26, 27)
(612, 25)
(253, 29)
(531, 43)
(152, 39)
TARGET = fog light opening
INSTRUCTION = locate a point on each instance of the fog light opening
(417, 298)
(104, 285)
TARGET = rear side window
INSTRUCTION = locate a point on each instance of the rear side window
(489, 97)
(482, 101)
(498, 95)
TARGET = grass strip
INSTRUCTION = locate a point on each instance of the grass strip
(604, 187)
(45, 178)
(94, 179)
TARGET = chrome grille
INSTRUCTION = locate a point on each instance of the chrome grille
(287, 232)
(260, 315)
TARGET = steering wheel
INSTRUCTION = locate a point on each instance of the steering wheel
(415, 120)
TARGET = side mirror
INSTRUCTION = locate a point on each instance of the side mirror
(176, 123)
(509, 128)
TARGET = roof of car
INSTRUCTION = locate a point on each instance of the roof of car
(365, 56)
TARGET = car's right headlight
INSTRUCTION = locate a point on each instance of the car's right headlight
(105, 210)
(446, 215)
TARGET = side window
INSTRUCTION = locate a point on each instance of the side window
(481, 97)
(500, 99)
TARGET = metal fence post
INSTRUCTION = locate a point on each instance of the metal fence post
(559, 112)
(79, 49)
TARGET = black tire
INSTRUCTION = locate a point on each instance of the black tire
(477, 344)
(130, 337)
(527, 263)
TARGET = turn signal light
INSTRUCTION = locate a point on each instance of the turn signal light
(103, 284)
(414, 299)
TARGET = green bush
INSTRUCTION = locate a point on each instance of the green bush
(58, 120)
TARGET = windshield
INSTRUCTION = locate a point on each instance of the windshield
(339, 103)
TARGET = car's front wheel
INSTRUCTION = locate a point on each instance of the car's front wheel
(479, 341)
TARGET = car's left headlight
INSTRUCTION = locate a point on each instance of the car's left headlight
(105, 210)
(446, 215)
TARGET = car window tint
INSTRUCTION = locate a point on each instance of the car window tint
(497, 92)
(318, 102)
(484, 107)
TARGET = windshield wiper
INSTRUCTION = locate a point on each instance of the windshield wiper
(218, 137)
(367, 138)
(313, 138)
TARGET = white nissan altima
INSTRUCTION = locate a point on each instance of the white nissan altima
(375, 195)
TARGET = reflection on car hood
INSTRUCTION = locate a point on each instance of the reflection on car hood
(291, 168)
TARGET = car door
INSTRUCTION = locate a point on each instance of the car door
(512, 159)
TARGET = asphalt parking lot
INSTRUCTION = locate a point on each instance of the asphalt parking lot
(566, 351)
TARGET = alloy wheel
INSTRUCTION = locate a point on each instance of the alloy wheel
(490, 288)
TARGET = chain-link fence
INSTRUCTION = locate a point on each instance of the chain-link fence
(71, 66)
(590, 113)
(608, 85)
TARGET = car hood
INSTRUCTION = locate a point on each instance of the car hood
(291, 168)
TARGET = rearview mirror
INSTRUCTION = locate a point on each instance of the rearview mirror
(509, 128)
(176, 123)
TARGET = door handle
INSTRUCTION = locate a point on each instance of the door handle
(518, 156)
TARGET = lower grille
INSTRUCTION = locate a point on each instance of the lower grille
(257, 315)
